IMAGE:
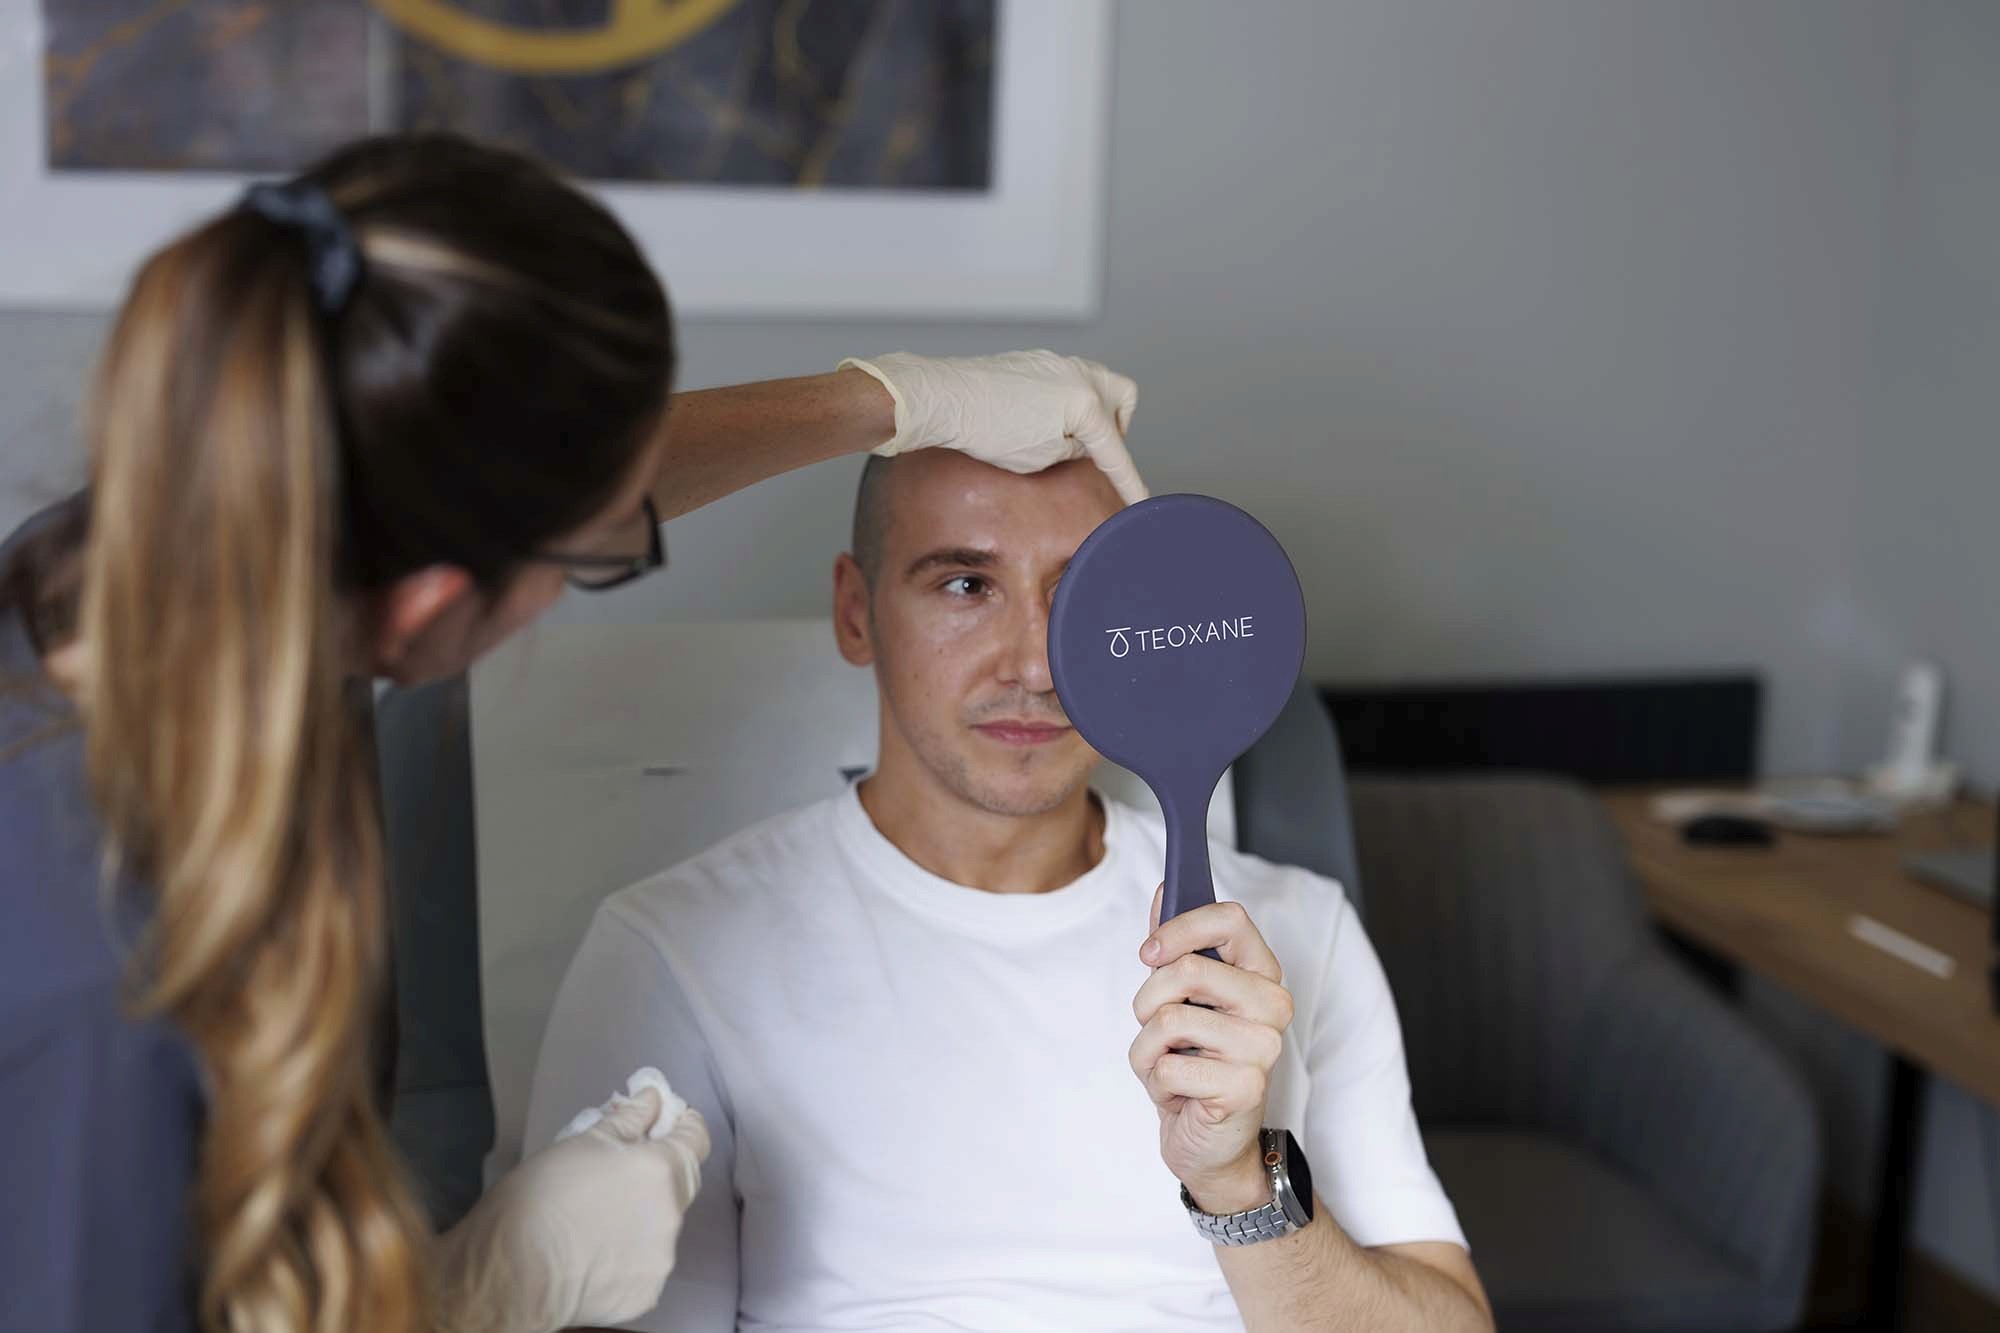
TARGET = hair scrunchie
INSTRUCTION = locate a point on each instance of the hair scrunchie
(333, 259)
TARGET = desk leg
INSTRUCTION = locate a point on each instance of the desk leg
(1894, 1194)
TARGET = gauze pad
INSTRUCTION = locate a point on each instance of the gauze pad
(671, 1106)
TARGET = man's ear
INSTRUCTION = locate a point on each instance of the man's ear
(851, 628)
(411, 606)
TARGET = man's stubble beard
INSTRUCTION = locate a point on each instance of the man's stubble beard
(953, 770)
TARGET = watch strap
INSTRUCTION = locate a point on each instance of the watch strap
(1266, 1222)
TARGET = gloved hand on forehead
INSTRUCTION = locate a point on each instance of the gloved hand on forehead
(582, 1232)
(1023, 411)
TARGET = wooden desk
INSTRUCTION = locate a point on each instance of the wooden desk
(1784, 912)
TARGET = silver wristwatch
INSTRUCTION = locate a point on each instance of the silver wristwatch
(1290, 1208)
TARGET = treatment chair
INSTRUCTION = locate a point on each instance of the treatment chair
(443, 1110)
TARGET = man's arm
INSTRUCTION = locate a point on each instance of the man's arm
(619, 1008)
(1210, 1034)
(1319, 1279)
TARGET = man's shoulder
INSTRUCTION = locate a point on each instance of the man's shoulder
(1258, 884)
(1252, 880)
(755, 868)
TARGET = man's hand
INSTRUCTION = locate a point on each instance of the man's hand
(1210, 1033)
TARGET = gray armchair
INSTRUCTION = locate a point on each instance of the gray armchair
(1625, 1152)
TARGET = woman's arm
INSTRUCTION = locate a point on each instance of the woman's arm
(722, 440)
(1022, 411)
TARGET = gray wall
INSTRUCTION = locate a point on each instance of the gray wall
(1926, 542)
(1537, 330)
(1548, 336)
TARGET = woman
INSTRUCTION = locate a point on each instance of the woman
(364, 424)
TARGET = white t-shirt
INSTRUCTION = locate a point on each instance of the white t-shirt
(919, 1095)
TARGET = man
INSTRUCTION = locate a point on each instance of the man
(908, 1013)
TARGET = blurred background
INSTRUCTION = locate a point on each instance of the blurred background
(1601, 344)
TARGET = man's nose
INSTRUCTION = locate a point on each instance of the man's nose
(1027, 659)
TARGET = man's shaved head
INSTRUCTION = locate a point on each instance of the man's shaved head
(871, 515)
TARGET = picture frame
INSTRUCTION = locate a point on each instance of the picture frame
(1028, 247)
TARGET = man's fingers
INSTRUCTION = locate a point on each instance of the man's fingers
(1223, 1088)
(1193, 979)
(1181, 1028)
(1153, 920)
(1223, 927)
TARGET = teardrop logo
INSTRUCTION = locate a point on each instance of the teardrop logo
(1187, 635)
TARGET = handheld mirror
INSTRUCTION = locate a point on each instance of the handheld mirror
(1176, 636)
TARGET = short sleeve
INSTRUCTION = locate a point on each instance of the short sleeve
(620, 1008)
(1369, 1164)
(99, 1121)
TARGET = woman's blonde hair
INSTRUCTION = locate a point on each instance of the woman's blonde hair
(262, 460)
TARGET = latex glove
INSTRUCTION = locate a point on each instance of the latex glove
(582, 1232)
(1023, 411)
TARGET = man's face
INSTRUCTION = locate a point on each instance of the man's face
(956, 625)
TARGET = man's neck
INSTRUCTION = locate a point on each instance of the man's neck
(958, 841)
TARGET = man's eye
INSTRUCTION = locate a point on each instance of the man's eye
(965, 585)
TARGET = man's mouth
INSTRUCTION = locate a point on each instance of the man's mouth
(1011, 732)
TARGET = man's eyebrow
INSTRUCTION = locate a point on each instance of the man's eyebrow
(963, 557)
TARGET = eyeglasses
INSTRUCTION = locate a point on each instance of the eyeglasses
(602, 570)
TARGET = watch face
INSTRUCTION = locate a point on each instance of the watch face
(1299, 1172)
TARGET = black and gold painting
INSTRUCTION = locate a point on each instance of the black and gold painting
(874, 95)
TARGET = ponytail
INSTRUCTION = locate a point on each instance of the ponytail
(234, 781)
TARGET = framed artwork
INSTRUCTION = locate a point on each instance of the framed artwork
(775, 157)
